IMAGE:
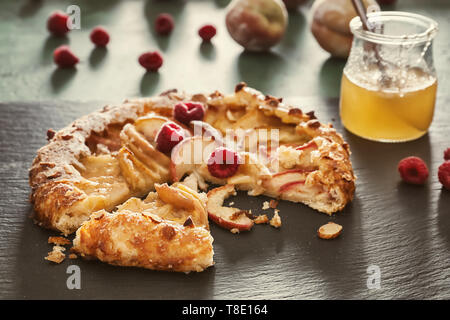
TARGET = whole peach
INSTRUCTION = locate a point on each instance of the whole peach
(257, 25)
(293, 4)
(330, 24)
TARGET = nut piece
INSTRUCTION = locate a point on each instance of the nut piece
(266, 205)
(329, 231)
(261, 219)
(234, 230)
(56, 255)
(61, 241)
(276, 220)
(273, 203)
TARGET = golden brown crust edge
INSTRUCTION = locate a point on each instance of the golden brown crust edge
(144, 240)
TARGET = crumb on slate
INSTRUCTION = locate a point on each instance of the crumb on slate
(56, 255)
(61, 241)
(276, 220)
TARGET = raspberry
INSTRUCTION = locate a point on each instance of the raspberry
(444, 174)
(447, 154)
(57, 23)
(188, 111)
(207, 32)
(223, 163)
(164, 24)
(168, 137)
(99, 36)
(151, 61)
(64, 57)
(413, 170)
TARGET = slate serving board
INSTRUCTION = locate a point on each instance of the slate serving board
(404, 230)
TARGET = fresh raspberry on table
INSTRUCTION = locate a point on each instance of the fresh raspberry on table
(168, 137)
(447, 154)
(444, 174)
(185, 112)
(164, 24)
(57, 23)
(64, 57)
(151, 61)
(99, 36)
(413, 170)
(207, 32)
(223, 163)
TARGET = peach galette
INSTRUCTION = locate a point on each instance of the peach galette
(92, 174)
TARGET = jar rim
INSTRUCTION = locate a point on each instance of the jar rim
(410, 39)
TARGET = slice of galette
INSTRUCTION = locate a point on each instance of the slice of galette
(168, 230)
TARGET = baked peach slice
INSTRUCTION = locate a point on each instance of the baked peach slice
(285, 180)
(189, 154)
(183, 198)
(149, 125)
(227, 217)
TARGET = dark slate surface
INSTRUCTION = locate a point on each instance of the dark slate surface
(402, 229)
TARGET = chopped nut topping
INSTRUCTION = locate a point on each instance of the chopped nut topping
(261, 219)
(295, 112)
(56, 255)
(273, 203)
(67, 137)
(168, 232)
(240, 86)
(265, 205)
(234, 230)
(50, 134)
(329, 231)
(311, 115)
(188, 222)
(313, 124)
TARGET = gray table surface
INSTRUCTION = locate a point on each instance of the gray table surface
(404, 230)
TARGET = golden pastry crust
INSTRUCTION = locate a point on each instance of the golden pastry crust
(144, 240)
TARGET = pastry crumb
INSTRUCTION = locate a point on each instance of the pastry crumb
(56, 255)
(231, 203)
(276, 220)
(261, 219)
(73, 256)
(329, 231)
(273, 203)
(234, 230)
(265, 205)
(60, 241)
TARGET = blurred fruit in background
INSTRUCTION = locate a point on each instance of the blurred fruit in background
(257, 25)
(330, 24)
(294, 4)
(386, 2)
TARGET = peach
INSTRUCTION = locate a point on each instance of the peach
(257, 25)
(226, 217)
(330, 24)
